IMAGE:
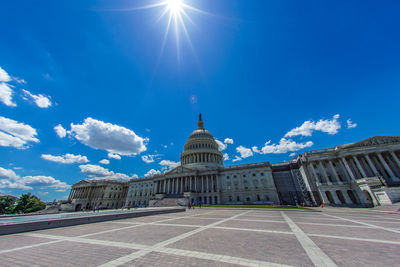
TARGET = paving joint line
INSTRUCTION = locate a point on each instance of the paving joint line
(368, 224)
(316, 255)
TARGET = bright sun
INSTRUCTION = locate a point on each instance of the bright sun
(177, 13)
(175, 6)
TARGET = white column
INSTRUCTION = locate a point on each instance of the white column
(314, 172)
(195, 183)
(165, 186)
(371, 164)
(212, 183)
(359, 166)
(395, 158)
(386, 166)
(348, 169)
(207, 188)
(202, 184)
(334, 171)
(322, 168)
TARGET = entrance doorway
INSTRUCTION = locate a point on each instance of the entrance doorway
(368, 197)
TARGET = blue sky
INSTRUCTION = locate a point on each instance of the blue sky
(275, 77)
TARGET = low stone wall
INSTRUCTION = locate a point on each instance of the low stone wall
(41, 225)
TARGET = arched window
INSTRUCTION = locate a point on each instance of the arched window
(329, 197)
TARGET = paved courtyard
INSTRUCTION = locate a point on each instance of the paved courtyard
(216, 237)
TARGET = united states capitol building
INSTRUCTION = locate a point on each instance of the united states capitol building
(360, 174)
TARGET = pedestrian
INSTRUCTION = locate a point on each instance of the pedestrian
(94, 208)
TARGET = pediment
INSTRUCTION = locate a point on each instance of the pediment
(179, 170)
(375, 141)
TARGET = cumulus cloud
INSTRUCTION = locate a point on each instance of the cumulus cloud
(228, 141)
(6, 94)
(351, 124)
(97, 172)
(110, 137)
(221, 146)
(225, 156)
(40, 100)
(329, 126)
(60, 131)
(104, 161)
(113, 156)
(237, 158)
(292, 154)
(284, 146)
(244, 152)
(66, 159)
(9, 179)
(169, 164)
(16, 134)
(152, 172)
(150, 158)
(4, 77)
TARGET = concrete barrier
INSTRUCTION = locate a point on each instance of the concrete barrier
(62, 222)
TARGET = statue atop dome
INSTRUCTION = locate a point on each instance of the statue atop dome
(200, 122)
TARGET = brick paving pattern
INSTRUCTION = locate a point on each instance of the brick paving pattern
(216, 237)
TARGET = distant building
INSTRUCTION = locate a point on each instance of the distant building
(361, 174)
(108, 194)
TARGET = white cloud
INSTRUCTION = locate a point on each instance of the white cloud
(66, 159)
(351, 124)
(150, 158)
(237, 158)
(228, 141)
(9, 179)
(6, 95)
(113, 156)
(152, 172)
(292, 154)
(60, 131)
(104, 161)
(40, 100)
(19, 80)
(255, 149)
(98, 172)
(221, 146)
(244, 152)
(225, 156)
(284, 146)
(16, 134)
(110, 137)
(4, 77)
(330, 126)
(169, 164)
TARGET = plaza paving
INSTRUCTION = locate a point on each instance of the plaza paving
(216, 237)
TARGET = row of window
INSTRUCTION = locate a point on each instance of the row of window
(244, 175)
(197, 146)
(249, 198)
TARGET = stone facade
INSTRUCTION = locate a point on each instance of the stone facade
(88, 194)
(359, 174)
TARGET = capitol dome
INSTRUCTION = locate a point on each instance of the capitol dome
(201, 150)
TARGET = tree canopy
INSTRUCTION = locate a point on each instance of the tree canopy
(24, 204)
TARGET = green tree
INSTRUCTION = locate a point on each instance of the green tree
(7, 204)
(29, 203)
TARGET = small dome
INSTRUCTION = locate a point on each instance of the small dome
(201, 150)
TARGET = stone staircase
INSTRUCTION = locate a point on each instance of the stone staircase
(168, 202)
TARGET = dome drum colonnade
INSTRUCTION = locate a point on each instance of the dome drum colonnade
(201, 150)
